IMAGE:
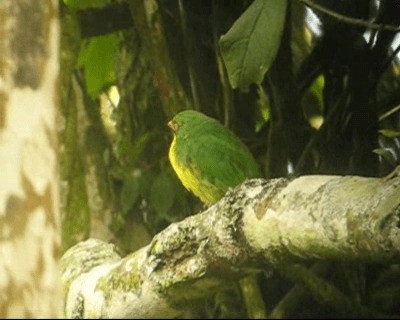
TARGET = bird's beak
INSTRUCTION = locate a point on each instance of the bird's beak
(173, 126)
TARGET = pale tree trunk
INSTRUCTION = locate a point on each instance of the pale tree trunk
(29, 200)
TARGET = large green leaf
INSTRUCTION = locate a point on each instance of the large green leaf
(250, 46)
(98, 58)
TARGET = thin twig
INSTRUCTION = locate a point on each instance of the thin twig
(227, 94)
(189, 53)
(350, 20)
(388, 113)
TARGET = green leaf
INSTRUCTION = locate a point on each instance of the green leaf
(98, 60)
(250, 46)
(162, 193)
(390, 133)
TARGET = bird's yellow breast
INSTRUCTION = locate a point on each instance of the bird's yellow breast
(192, 179)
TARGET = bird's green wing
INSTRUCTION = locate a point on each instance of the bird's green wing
(221, 159)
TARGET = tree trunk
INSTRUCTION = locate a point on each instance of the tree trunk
(29, 198)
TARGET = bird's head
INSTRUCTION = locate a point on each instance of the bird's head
(173, 125)
(187, 119)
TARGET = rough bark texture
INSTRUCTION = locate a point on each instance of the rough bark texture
(29, 216)
(260, 224)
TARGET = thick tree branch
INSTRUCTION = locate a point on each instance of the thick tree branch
(260, 224)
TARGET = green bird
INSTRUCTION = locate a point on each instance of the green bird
(207, 157)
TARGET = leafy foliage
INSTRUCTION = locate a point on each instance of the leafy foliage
(250, 46)
(97, 58)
